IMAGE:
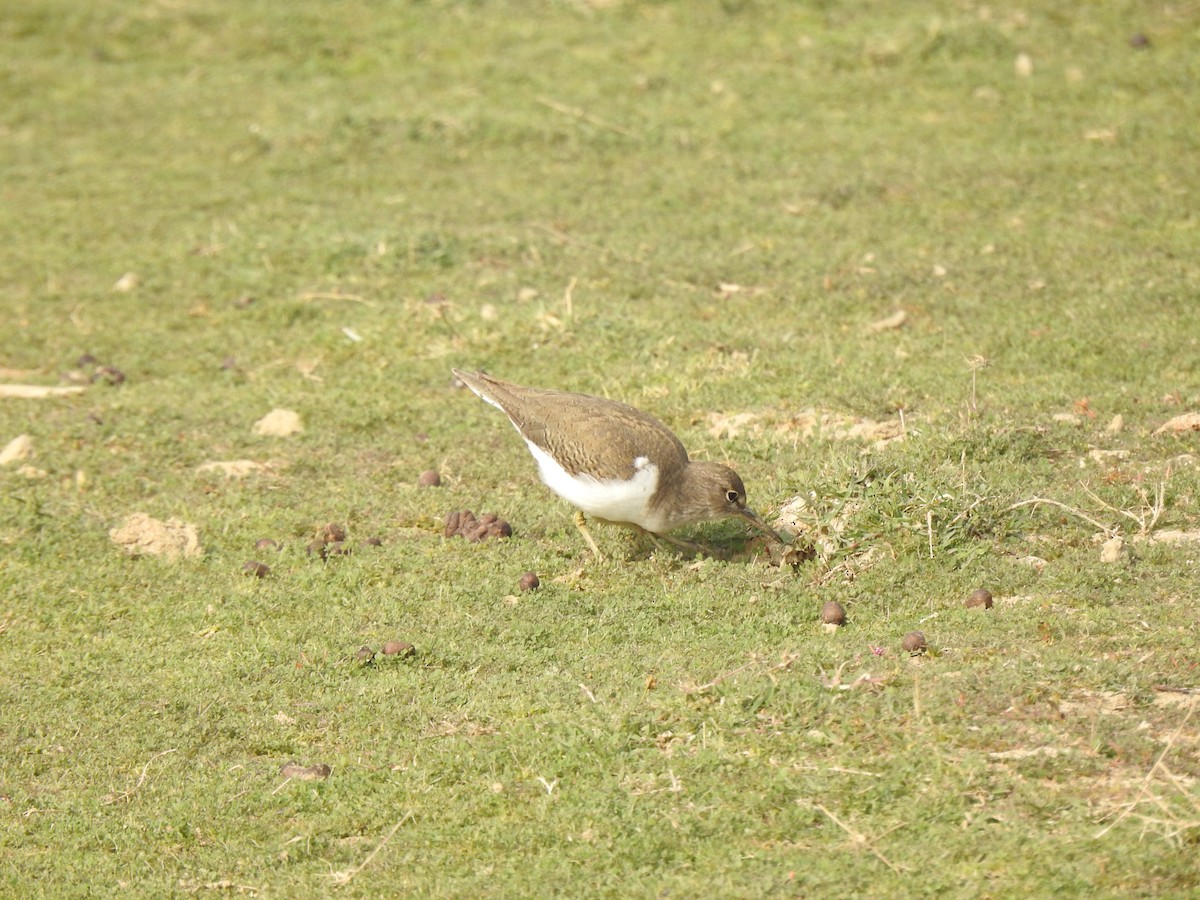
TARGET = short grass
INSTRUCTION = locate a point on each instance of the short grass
(699, 208)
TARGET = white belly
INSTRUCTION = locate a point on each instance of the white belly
(615, 501)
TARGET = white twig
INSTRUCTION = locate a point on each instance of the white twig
(1034, 501)
(141, 779)
(344, 878)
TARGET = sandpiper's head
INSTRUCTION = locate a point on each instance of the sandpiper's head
(717, 492)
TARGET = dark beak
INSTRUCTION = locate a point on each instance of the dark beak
(753, 518)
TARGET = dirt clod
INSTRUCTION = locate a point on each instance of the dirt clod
(833, 613)
(429, 478)
(464, 524)
(913, 642)
(980, 597)
(256, 568)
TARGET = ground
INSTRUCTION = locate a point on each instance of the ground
(924, 274)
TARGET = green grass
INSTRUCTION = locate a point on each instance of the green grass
(274, 174)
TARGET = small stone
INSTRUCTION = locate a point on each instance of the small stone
(255, 568)
(86, 360)
(1139, 41)
(429, 478)
(19, 448)
(126, 283)
(833, 613)
(316, 548)
(266, 544)
(279, 423)
(373, 542)
(365, 654)
(333, 532)
(980, 597)
(913, 642)
(1112, 550)
(398, 648)
(529, 582)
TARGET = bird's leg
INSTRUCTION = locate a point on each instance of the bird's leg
(581, 524)
(687, 546)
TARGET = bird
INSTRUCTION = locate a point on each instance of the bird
(616, 463)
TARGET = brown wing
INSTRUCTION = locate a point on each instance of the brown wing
(584, 433)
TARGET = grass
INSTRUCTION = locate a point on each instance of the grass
(696, 208)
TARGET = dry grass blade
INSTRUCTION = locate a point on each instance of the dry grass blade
(858, 838)
(585, 116)
(118, 798)
(1109, 530)
(341, 879)
(1144, 794)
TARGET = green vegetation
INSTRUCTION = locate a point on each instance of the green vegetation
(698, 208)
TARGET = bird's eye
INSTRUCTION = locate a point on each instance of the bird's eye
(731, 496)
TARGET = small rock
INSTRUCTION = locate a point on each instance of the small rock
(266, 544)
(20, 447)
(86, 360)
(279, 423)
(143, 534)
(1112, 550)
(373, 542)
(1139, 41)
(429, 478)
(1180, 424)
(833, 613)
(979, 597)
(913, 642)
(255, 568)
(398, 648)
(529, 582)
(126, 283)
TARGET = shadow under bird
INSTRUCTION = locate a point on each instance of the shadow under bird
(615, 463)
